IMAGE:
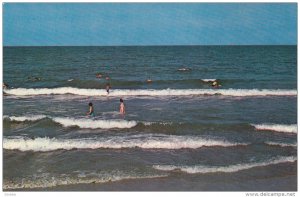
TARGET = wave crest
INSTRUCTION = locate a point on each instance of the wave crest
(94, 124)
(113, 142)
(208, 80)
(25, 118)
(281, 144)
(277, 127)
(150, 92)
(84, 123)
(45, 180)
(226, 169)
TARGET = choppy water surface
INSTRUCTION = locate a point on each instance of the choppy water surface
(179, 133)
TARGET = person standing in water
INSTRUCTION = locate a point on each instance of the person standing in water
(4, 86)
(122, 107)
(107, 88)
(91, 110)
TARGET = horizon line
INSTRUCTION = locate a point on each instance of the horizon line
(166, 45)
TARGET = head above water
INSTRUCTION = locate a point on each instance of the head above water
(90, 104)
(121, 100)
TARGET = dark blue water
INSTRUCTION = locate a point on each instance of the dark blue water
(178, 125)
(129, 67)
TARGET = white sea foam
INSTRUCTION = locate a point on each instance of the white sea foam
(94, 124)
(25, 118)
(277, 127)
(184, 69)
(156, 123)
(80, 122)
(113, 142)
(230, 168)
(44, 180)
(151, 92)
(282, 144)
(208, 80)
(86, 123)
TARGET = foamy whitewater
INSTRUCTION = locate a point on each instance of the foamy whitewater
(282, 144)
(208, 80)
(93, 124)
(277, 127)
(25, 118)
(227, 169)
(116, 142)
(178, 133)
(45, 180)
(86, 123)
(150, 92)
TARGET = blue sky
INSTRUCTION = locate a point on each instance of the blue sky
(101, 24)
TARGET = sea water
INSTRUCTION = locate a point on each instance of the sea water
(178, 133)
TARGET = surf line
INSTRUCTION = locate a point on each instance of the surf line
(225, 169)
(150, 92)
(143, 141)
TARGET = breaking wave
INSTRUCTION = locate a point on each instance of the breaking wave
(44, 180)
(25, 118)
(114, 142)
(208, 80)
(80, 122)
(86, 123)
(277, 127)
(150, 92)
(281, 144)
(231, 168)
(94, 124)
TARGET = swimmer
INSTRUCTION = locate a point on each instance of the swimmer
(5, 86)
(107, 78)
(107, 88)
(31, 78)
(149, 80)
(215, 84)
(91, 110)
(98, 75)
(122, 107)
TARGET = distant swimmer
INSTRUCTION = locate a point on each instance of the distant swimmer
(107, 78)
(122, 107)
(98, 75)
(31, 78)
(215, 84)
(107, 88)
(91, 110)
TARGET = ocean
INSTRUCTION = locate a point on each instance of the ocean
(178, 134)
